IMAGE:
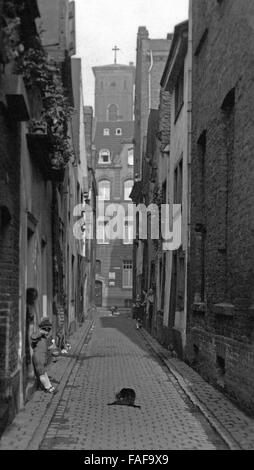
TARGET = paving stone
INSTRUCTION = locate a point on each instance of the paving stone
(117, 356)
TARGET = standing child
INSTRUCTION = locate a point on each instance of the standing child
(138, 312)
(39, 343)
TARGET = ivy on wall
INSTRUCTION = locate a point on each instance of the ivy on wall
(41, 72)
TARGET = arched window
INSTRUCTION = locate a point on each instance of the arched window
(101, 232)
(130, 157)
(128, 231)
(119, 131)
(98, 266)
(104, 156)
(128, 184)
(104, 190)
(112, 112)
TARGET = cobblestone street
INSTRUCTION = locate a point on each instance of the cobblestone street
(108, 354)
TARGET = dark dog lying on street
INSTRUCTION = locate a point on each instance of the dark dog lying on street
(126, 397)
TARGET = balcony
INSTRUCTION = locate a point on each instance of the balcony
(41, 152)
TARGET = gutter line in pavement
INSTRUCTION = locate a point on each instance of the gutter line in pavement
(219, 428)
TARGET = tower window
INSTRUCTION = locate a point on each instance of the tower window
(106, 132)
(104, 156)
(98, 266)
(130, 157)
(118, 131)
(127, 274)
(127, 189)
(128, 232)
(112, 112)
(101, 233)
(104, 190)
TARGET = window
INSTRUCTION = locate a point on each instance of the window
(101, 233)
(113, 84)
(178, 183)
(98, 266)
(106, 132)
(130, 157)
(128, 232)
(201, 42)
(179, 93)
(104, 190)
(118, 131)
(104, 156)
(127, 274)
(112, 112)
(127, 189)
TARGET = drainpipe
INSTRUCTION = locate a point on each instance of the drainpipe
(149, 93)
(189, 150)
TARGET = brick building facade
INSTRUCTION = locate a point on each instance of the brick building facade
(151, 56)
(220, 326)
(176, 80)
(43, 175)
(114, 176)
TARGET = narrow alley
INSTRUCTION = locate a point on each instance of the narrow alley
(107, 354)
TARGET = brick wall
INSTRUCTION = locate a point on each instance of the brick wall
(9, 255)
(220, 337)
(150, 61)
(117, 172)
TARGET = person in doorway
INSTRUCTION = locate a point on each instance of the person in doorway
(39, 343)
(150, 304)
(138, 312)
(31, 297)
(112, 310)
(116, 312)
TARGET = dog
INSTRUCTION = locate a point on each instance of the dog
(127, 397)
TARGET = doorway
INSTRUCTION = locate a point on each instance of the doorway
(98, 293)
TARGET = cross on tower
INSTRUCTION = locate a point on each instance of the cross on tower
(115, 49)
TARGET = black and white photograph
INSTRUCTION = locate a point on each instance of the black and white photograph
(126, 229)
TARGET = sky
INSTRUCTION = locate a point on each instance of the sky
(102, 24)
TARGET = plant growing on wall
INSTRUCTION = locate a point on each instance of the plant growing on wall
(157, 195)
(40, 71)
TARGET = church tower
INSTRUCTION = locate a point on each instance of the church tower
(114, 92)
(113, 141)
